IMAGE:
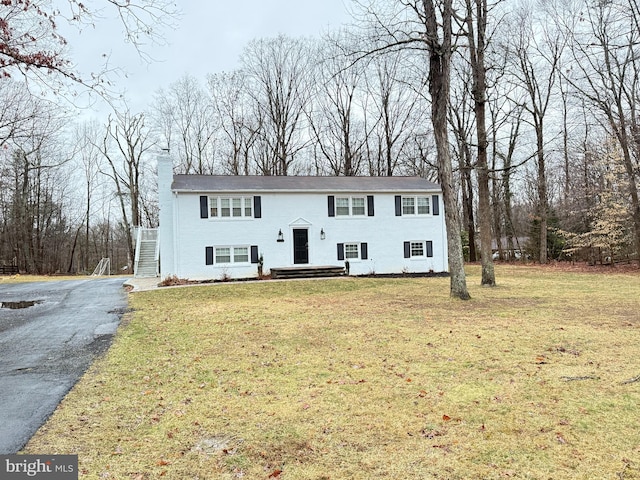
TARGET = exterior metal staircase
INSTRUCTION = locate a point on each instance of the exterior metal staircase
(147, 253)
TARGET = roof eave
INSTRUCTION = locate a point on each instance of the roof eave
(327, 190)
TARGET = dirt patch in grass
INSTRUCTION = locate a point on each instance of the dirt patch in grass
(365, 378)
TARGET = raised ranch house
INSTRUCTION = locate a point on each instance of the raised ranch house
(223, 227)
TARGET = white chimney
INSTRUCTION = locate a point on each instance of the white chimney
(166, 229)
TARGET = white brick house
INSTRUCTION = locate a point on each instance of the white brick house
(214, 227)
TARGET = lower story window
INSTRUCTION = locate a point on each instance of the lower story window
(232, 255)
(241, 254)
(417, 249)
(223, 255)
(351, 250)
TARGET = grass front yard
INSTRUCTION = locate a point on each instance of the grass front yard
(363, 378)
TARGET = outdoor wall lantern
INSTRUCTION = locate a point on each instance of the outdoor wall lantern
(322, 235)
(280, 236)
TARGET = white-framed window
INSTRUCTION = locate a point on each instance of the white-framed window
(231, 207)
(351, 251)
(240, 254)
(232, 254)
(223, 255)
(416, 205)
(351, 206)
(424, 205)
(358, 206)
(417, 249)
(408, 205)
(342, 206)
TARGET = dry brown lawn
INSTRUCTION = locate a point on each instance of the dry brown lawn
(354, 378)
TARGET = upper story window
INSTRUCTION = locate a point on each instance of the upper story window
(358, 206)
(342, 206)
(416, 205)
(230, 207)
(351, 206)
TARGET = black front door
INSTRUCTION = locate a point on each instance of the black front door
(300, 245)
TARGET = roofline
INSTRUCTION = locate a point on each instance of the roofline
(429, 187)
(323, 190)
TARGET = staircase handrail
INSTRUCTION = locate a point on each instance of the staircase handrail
(157, 256)
(137, 255)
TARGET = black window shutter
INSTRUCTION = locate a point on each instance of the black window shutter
(429, 248)
(370, 205)
(331, 205)
(204, 206)
(435, 201)
(398, 206)
(407, 250)
(364, 251)
(208, 255)
(254, 254)
(341, 251)
(257, 206)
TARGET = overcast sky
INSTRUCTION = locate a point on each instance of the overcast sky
(209, 38)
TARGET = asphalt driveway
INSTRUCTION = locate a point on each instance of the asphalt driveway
(50, 332)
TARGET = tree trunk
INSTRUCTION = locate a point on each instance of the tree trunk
(439, 87)
(543, 206)
(467, 210)
(476, 56)
(496, 203)
(73, 250)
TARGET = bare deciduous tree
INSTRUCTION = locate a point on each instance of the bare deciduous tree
(606, 73)
(88, 155)
(476, 33)
(438, 39)
(535, 53)
(426, 26)
(280, 72)
(185, 116)
(239, 122)
(32, 217)
(32, 44)
(462, 125)
(124, 145)
(393, 105)
(336, 114)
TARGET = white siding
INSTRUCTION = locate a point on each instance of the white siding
(384, 233)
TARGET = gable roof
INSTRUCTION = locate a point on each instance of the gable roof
(260, 183)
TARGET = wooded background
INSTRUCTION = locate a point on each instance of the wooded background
(541, 125)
